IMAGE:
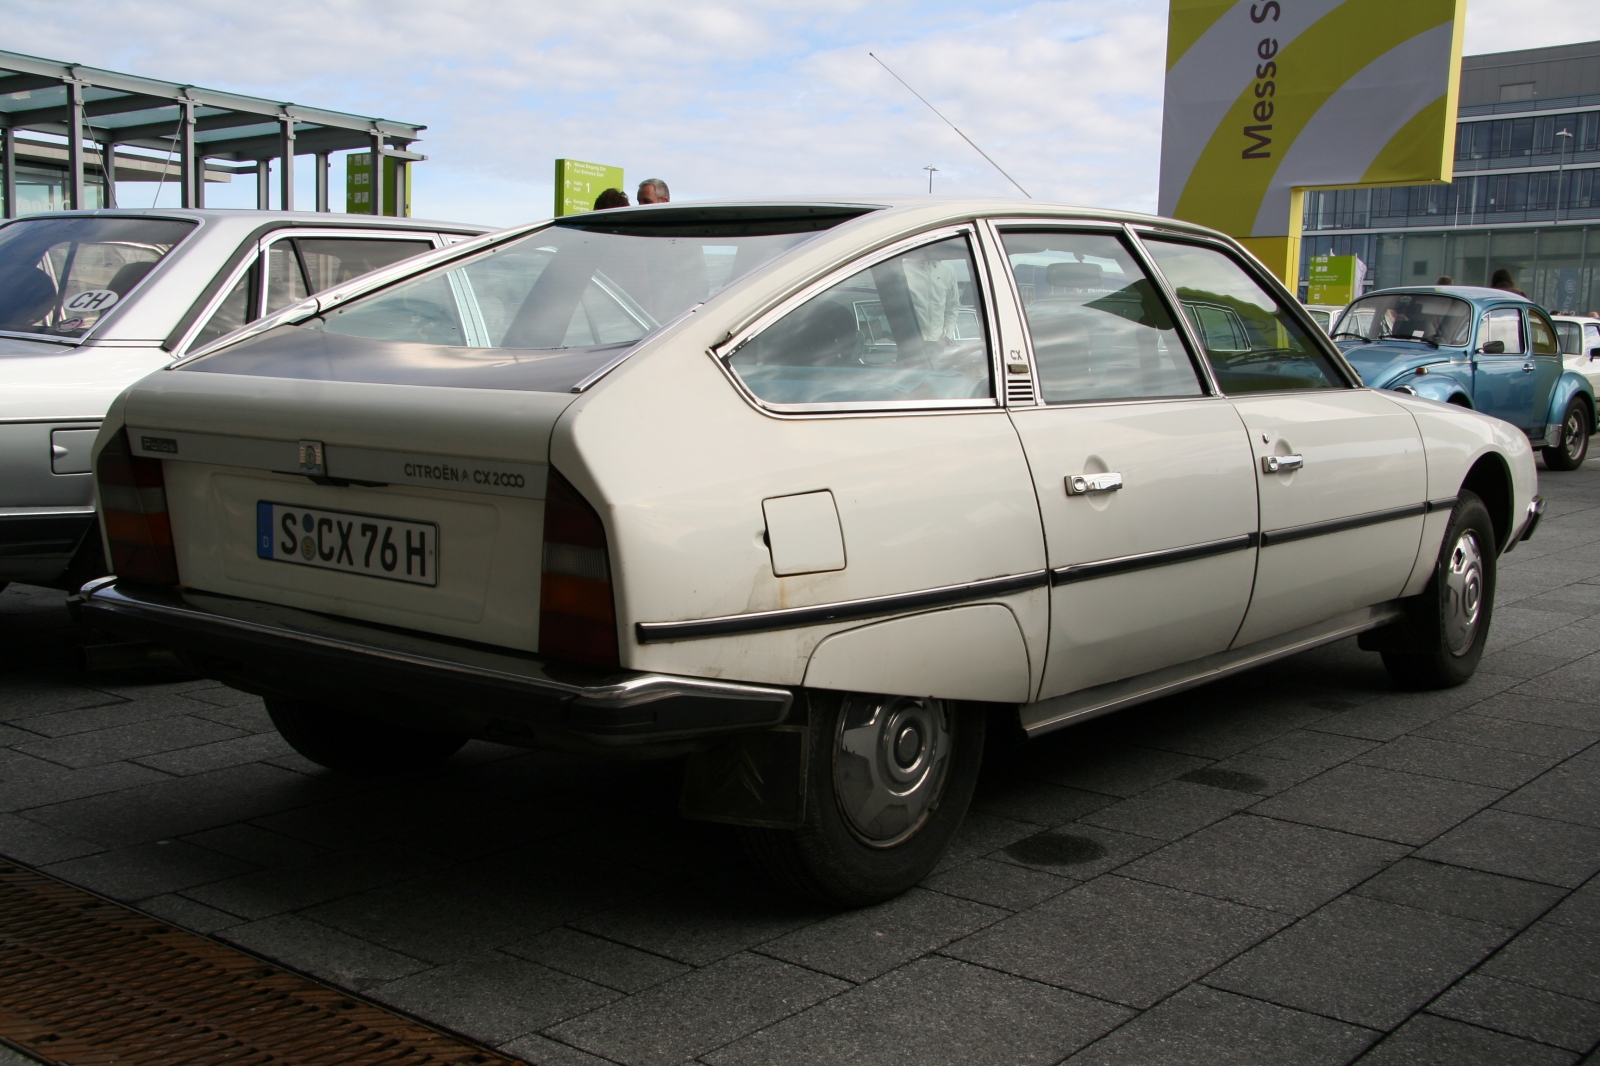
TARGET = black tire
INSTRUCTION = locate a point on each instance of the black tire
(1450, 619)
(354, 744)
(841, 856)
(1574, 446)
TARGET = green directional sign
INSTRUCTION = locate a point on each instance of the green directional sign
(358, 185)
(1332, 279)
(578, 183)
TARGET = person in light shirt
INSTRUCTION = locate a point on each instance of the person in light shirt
(935, 295)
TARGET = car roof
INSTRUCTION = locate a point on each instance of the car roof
(955, 208)
(1475, 293)
(251, 219)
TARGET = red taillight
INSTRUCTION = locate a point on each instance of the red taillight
(133, 500)
(577, 619)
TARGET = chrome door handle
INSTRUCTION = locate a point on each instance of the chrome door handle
(1527, 368)
(1281, 464)
(1083, 484)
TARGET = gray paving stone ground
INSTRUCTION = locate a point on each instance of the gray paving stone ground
(1303, 865)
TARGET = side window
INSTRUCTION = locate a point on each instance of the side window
(1542, 334)
(1591, 338)
(1501, 333)
(285, 284)
(236, 309)
(1100, 330)
(331, 261)
(1254, 344)
(906, 329)
(298, 267)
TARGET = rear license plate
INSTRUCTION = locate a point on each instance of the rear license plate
(368, 544)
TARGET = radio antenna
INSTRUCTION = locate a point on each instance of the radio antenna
(952, 125)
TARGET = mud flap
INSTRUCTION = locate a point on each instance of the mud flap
(756, 779)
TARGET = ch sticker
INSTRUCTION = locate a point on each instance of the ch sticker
(91, 301)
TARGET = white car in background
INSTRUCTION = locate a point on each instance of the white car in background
(809, 492)
(1325, 315)
(1580, 345)
(92, 301)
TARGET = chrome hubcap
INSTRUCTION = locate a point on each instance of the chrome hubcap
(1463, 593)
(1576, 433)
(890, 760)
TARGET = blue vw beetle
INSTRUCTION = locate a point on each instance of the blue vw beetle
(1486, 349)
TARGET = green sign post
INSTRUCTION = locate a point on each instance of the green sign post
(358, 185)
(578, 183)
(1333, 279)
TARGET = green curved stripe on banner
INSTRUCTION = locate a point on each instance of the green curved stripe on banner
(1224, 190)
(1415, 149)
(1188, 21)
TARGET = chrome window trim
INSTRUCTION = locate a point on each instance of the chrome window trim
(738, 338)
(71, 342)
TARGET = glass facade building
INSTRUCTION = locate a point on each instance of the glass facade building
(1525, 194)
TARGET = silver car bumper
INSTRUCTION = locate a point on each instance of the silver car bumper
(423, 680)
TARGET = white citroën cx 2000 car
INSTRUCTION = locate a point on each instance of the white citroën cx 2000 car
(92, 301)
(812, 493)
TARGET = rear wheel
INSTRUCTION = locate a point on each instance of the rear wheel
(889, 779)
(1574, 446)
(1451, 616)
(354, 744)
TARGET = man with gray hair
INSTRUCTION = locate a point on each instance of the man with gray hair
(653, 191)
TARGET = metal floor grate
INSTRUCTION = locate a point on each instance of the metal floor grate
(84, 980)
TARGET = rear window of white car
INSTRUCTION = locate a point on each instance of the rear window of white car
(60, 276)
(538, 314)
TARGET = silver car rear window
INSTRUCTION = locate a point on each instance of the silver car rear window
(537, 314)
(59, 276)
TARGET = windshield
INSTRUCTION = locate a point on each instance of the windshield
(1429, 317)
(540, 313)
(60, 276)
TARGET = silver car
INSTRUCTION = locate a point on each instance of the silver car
(92, 301)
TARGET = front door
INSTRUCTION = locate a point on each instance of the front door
(1144, 478)
(1509, 381)
(1341, 472)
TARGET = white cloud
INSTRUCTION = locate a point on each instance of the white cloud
(745, 99)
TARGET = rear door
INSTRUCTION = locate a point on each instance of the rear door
(1143, 473)
(1340, 470)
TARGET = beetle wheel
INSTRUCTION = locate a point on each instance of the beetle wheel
(1574, 446)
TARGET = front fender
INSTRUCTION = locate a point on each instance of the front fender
(1570, 384)
(1440, 387)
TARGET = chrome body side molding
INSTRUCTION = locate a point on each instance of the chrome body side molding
(1065, 575)
(844, 611)
(1058, 711)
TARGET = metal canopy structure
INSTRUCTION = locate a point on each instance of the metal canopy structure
(184, 122)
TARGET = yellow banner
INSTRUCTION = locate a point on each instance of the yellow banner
(1265, 98)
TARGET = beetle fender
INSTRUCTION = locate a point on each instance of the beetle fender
(1570, 384)
(1441, 387)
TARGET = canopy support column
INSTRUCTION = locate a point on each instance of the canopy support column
(377, 173)
(8, 150)
(322, 182)
(286, 168)
(189, 175)
(263, 185)
(75, 146)
(108, 169)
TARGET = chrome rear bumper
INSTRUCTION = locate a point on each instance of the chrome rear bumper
(492, 693)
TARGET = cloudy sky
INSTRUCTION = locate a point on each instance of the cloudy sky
(763, 97)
